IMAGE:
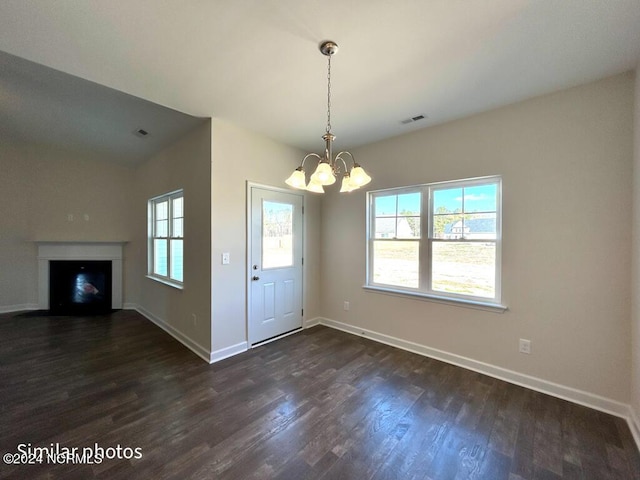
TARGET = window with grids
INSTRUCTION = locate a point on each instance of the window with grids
(438, 240)
(166, 237)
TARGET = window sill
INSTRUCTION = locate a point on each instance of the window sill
(164, 281)
(487, 306)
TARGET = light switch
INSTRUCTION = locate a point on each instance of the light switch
(226, 258)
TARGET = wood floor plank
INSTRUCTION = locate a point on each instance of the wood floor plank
(320, 404)
(547, 441)
(426, 427)
(370, 441)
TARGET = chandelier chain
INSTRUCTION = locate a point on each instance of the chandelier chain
(329, 94)
(329, 169)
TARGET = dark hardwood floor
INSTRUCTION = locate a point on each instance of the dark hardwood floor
(317, 404)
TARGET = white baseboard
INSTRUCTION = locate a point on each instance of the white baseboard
(191, 344)
(227, 352)
(570, 394)
(312, 322)
(587, 399)
(18, 308)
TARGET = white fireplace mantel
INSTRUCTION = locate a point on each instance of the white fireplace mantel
(48, 251)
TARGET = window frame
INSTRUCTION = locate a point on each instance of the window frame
(426, 240)
(152, 236)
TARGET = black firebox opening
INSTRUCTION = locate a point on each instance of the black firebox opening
(79, 287)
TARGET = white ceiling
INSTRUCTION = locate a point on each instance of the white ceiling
(256, 62)
(45, 106)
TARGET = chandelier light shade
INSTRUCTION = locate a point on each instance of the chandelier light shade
(329, 167)
(297, 179)
(314, 187)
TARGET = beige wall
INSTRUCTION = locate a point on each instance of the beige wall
(115, 198)
(635, 287)
(566, 162)
(240, 156)
(184, 165)
(39, 188)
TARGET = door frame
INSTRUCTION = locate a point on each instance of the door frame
(247, 269)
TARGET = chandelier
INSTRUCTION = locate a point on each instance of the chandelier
(329, 167)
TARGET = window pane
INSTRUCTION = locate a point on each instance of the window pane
(177, 228)
(464, 268)
(166, 231)
(448, 226)
(385, 227)
(480, 226)
(409, 204)
(176, 259)
(277, 238)
(408, 227)
(447, 200)
(162, 210)
(482, 198)
(385, 205)
(178, 210)
(160, 257)
(161, 228)
(396, 263)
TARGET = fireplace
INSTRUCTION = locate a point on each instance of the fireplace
(79, 277)
(79, 287)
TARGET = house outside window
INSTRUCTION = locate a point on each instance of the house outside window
(440, 241)
(166, 238)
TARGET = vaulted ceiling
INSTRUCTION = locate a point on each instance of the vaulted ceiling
(257, 64)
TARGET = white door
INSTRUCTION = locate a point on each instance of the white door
(275, 264)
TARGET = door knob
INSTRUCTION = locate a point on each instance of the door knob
(254, 278)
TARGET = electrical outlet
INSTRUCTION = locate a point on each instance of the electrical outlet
(195, 318)
(226, 258)
(346, 306)
(525, 346)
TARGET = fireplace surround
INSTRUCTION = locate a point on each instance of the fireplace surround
(79, 251)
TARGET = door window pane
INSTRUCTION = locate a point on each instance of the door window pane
(277, 235)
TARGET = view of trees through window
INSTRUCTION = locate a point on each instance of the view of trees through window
(449, 249)
(277, 235)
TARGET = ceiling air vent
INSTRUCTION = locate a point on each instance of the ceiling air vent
(140, 132)
(412, 119)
